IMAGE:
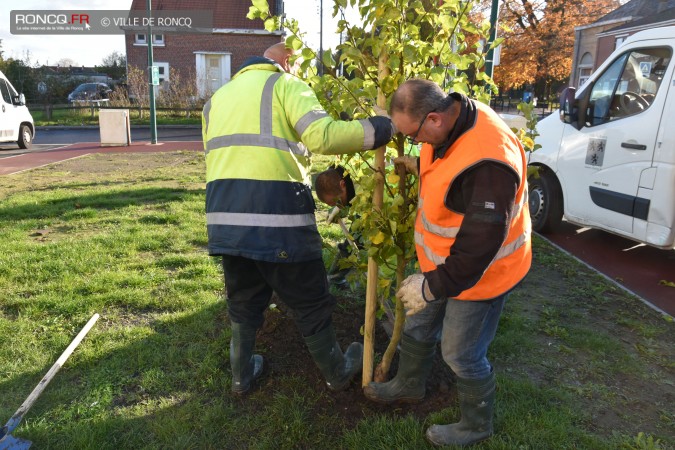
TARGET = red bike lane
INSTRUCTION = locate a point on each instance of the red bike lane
(636, 267)
(35, 159)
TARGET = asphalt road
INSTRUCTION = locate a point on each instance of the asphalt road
(50, 138)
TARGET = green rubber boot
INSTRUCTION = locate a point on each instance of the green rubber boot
(409, 384)
(476, 403)
(338, 369)
(246, 366)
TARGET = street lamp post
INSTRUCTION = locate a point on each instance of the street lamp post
(320, 37)
(151, 81)
(489, 61)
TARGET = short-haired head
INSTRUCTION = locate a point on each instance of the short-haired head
(280, 54)
(417, 97)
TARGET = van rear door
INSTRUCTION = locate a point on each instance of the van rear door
(602, 164)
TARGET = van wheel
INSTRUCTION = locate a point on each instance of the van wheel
(25, 137)
(545, 201)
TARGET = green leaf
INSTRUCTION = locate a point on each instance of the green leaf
(293, 42)
(327, 59)
(388, 86)
(253, 13)
(271, 24)
(261, 5)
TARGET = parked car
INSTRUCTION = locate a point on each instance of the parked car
(608, 160)
(16, 123)
(90, 91)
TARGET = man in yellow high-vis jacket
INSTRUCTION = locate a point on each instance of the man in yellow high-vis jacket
(472, 237)
(259, 130)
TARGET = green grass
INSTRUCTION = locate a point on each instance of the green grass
(124, 236)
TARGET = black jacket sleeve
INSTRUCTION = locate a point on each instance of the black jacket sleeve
(384, 130)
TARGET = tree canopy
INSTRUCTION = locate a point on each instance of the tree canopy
(539, 38)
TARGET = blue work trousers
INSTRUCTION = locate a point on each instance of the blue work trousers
(466, 329)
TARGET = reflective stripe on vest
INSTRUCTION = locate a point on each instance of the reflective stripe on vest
(451, 232)
(256, 140)
(308, 119)
(265, 138)
(260, 220)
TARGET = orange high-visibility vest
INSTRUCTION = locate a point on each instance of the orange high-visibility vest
(436, 226)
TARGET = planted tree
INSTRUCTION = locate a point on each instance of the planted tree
(396, 40)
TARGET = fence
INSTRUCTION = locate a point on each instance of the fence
(510, 104)
(87, 111)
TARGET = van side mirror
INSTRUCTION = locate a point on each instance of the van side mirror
(568, 105)
(19, 100)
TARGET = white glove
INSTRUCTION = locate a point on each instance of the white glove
(410, 164)
(333, 215)
(380, 111)
(410, 293)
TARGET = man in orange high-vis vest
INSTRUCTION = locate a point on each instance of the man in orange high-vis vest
(472, 236)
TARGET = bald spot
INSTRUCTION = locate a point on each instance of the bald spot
(278, 53)
(401, 99)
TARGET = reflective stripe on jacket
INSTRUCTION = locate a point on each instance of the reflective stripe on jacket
(258, 131)
(436, 226)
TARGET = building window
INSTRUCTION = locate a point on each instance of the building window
(163, 71)
(142, 39)
(585, 68)
(618, 41)
(584, 74)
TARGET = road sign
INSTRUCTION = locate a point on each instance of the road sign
(155, 75)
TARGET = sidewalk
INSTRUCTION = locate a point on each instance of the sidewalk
(32, 160)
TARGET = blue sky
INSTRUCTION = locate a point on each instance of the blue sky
(90, 52)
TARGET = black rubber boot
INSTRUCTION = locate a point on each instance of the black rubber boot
(409, 384)
(476, 403)
(246, 366)
(338, 369)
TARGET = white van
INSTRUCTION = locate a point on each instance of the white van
(16, 123)
(608, 160)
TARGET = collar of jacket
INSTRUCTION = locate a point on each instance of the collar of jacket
(465, 121)
(259, 63)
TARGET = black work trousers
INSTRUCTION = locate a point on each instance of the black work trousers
(302, 286)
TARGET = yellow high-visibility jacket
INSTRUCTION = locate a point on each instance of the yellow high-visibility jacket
(259, 130)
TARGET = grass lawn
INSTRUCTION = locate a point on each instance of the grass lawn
(580, 364)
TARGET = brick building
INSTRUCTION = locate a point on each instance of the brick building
(596, 41)
(212, 58)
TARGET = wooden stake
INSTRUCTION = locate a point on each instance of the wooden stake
(371, 287)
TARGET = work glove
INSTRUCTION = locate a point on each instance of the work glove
(412, 293)
(333, 215)
(380, 111)
(409, 162)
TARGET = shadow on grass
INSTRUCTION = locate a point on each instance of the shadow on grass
(109, 200)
